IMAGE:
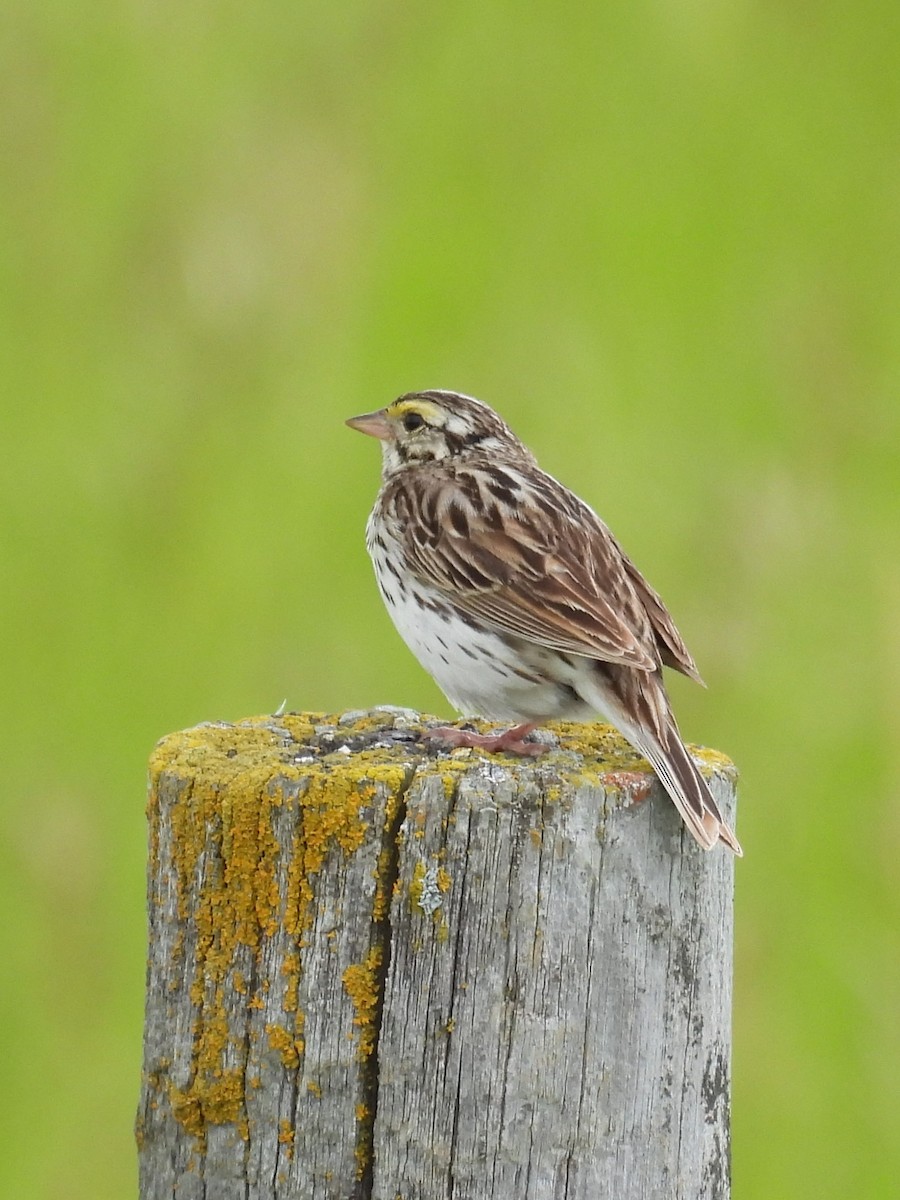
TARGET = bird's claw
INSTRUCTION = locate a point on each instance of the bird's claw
(512, 741)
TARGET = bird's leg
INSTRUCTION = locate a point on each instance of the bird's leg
(512, 741)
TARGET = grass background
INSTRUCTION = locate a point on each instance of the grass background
(661, 236)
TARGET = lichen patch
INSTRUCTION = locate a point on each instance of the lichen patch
(244, 819)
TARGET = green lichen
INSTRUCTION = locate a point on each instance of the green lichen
(428, 886)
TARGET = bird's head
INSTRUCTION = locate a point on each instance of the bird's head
(423, 427)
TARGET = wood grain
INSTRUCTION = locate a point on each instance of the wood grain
(376, 970)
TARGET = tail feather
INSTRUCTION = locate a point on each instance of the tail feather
(690, 792)
(637, 704)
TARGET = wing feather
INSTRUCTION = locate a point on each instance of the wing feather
(673, 652)
(543, 568)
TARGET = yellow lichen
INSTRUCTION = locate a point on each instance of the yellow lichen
(290, 968)
(226, 789)
(450, 770)
(289, 1047)
(417, 885)
(329, 813)
(713, 762)
(365, 1121)
(383, 870)
(225, 856)
(211, 1099)
(363, 1153)
(363, 985)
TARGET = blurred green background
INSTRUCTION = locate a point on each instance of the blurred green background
(662, 238)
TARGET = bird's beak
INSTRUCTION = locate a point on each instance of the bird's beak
(375, 424)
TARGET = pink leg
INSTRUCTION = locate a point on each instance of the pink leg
(512, 741)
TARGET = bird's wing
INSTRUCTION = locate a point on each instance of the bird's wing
(526, 557)
(669, 641)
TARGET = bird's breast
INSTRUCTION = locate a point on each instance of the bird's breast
(480, 670)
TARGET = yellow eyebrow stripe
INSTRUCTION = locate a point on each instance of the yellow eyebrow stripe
(430, 412)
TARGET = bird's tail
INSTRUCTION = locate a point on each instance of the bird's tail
(689, 791)
(637, 704)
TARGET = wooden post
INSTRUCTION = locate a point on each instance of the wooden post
(379, 971)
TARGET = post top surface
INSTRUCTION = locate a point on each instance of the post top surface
(379, 742)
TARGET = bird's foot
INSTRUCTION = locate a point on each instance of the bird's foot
(510, 742)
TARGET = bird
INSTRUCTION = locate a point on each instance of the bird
(517, 599)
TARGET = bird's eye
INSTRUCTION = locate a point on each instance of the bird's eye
(413, 421)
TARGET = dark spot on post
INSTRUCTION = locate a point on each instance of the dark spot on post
(683, 967)
(716, 1086)
(715, 1091)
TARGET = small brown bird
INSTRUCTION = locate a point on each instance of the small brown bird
(516, 598)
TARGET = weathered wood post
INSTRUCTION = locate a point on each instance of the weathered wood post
(381, 972)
